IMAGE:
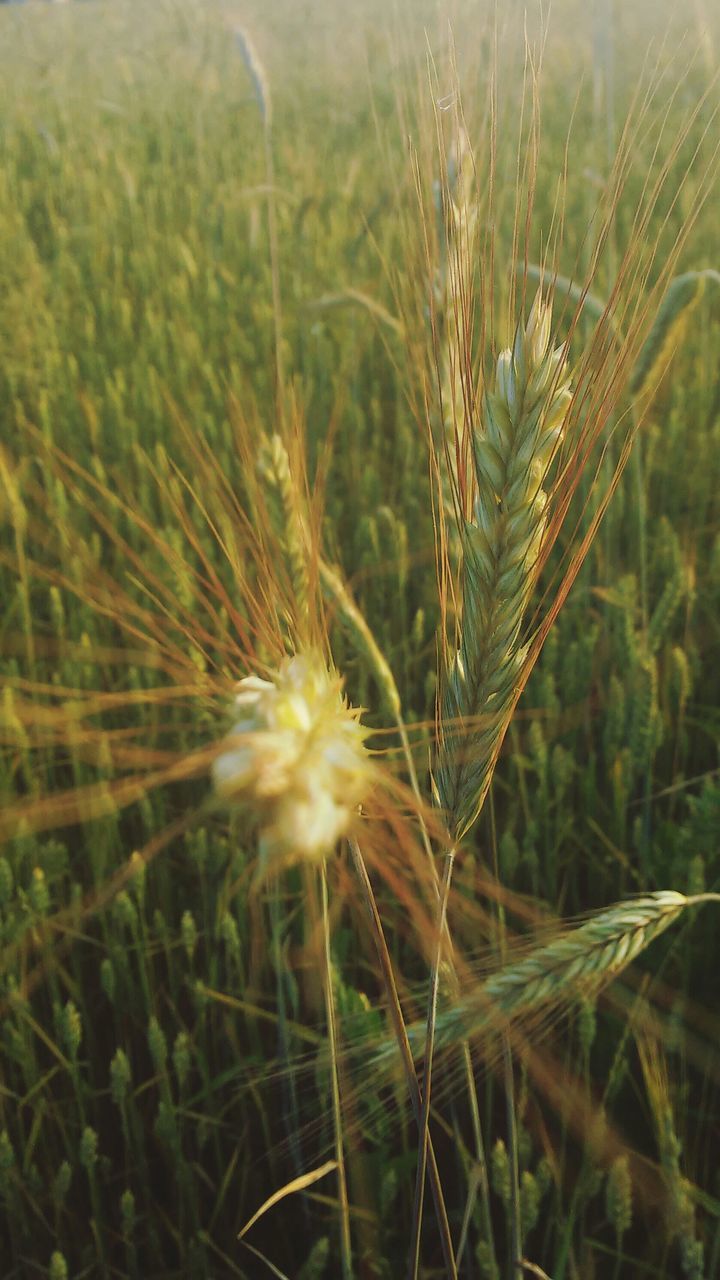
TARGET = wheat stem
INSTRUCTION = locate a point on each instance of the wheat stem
(508, 1070)
(403, 1045)
(345, 1240)
(452, 289)
(427, 1071)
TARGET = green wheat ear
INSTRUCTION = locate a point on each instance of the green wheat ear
(284, 512)
(667, 333)
(521, 423)
(581, 961)
(669, 329)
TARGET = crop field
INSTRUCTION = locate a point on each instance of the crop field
(360, 640)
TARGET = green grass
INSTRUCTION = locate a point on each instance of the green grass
(147, 1107)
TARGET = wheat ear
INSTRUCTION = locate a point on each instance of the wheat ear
(583, 960)
(668, 330)
(283, 509)
(522, 420)
(457, 233)
(261, 90)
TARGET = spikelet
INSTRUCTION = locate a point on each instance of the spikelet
(644, 714)
(297, 759)
(522, 421)
(58, 1267)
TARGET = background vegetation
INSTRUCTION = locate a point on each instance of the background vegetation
(146, 1108)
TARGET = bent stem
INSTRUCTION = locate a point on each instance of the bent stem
(345, 1240)
(399, 1030)
(365, 642)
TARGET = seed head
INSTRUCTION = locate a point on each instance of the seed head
(297, 757)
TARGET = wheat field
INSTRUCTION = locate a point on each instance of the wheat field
(359, 640)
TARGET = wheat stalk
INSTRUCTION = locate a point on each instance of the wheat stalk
(522, 420)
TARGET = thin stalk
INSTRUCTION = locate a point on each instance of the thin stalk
(516, 1244)
(345, 1240)
(481, 1161)
(427, 1073)
(412, 774)
(482, 1173)
(290, 1108)
(617, 1269)
(274, 266)
(261, 89)
(465, 1047)
(641, 509)
(398, 1022)
(515, 1230)
(25, 596)
(336, 590)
